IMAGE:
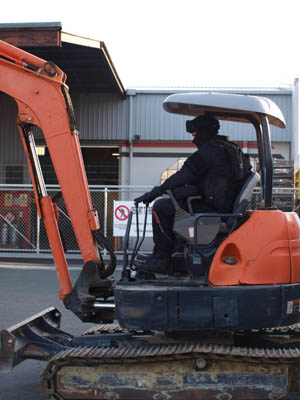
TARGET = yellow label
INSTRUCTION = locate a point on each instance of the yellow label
(8, 200)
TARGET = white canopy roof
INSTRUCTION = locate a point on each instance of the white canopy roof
(195, 104)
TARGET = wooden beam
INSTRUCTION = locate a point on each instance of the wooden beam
(31, 37)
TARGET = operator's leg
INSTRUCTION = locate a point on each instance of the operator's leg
(163, 213)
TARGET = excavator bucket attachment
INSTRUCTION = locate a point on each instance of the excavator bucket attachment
(37, 337)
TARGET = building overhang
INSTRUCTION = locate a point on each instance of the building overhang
(86, 62)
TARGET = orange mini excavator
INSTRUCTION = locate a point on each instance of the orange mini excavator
(222, 325)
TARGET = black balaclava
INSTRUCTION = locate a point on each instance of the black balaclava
(206, 127)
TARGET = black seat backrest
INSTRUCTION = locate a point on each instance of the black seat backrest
(243, 198)
(207, 227)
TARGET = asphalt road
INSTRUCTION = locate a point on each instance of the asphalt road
(24, 292)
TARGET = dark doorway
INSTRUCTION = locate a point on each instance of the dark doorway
(101, 164)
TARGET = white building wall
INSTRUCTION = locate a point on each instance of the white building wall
(147, 171)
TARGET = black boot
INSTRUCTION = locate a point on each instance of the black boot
(156, 263)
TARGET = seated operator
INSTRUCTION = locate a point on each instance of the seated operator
(216, 171)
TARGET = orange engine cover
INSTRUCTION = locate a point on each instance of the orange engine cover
(266, 248)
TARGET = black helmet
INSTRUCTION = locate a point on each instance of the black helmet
(206, 121)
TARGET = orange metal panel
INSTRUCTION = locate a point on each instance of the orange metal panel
(294, 237)
(261, 247)
(56, 246)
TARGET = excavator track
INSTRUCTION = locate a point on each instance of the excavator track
(160, 367)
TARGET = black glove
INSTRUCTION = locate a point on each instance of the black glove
(149, 196)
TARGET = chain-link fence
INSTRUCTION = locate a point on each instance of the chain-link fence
(22, 231)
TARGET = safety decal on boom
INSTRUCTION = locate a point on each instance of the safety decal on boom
(293, 307)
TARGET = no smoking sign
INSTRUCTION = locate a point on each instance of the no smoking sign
(122, 213)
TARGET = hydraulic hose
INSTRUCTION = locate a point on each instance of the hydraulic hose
(104, 243)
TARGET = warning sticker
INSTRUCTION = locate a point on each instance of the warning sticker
(293, 307)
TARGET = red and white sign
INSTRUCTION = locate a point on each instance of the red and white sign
(293, 307)
(121, 214)
(9, 217)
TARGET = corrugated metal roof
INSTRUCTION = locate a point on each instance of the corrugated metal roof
(31, 25)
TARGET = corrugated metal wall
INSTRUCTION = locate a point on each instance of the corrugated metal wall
(106, 118)
(99, 118)
(151, 122)
(247, 132)
(11, 149)
(10, 141)
(102, 117)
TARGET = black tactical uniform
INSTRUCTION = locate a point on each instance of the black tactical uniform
(216, 171)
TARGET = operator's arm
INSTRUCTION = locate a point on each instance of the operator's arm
(190, 173)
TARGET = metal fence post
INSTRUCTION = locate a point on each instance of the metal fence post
(38, 233)
(105, 214)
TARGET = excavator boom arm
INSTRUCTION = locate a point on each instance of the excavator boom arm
(39, 89)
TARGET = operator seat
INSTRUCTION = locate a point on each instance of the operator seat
(202, 228)
(204, 232)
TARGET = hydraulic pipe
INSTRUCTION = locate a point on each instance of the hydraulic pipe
(268, 161)
(56, 246)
